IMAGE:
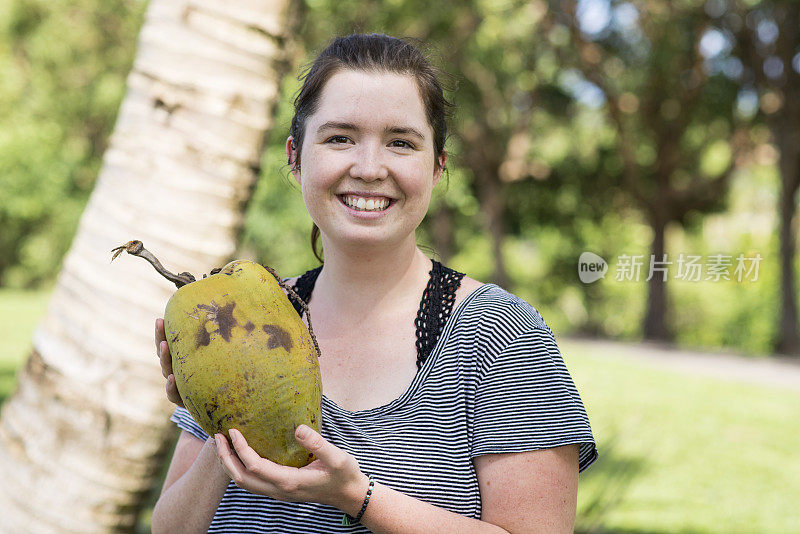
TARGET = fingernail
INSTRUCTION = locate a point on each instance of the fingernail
(302, 431)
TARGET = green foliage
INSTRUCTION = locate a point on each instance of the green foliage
(733, 313)
(64, 66)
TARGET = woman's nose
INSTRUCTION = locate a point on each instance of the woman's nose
(369, 164)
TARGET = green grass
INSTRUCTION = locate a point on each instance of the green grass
(681, 453)
(678, 453)
(20, 311)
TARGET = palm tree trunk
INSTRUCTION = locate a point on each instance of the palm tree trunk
(82, 437)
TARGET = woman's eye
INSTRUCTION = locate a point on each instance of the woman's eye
(401, 143)
(338, 139)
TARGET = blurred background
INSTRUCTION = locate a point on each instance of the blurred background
(661, 137)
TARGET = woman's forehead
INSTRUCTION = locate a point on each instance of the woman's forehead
(371, 99)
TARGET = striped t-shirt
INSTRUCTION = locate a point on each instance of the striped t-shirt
(495, 382)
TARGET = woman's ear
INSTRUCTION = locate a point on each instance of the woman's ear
(437, 174)
(291, 158)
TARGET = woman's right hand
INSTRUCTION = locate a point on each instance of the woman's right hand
(166, 363)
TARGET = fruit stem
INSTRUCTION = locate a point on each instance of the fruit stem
(136, 248)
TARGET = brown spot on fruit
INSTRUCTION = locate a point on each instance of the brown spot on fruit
(249, 326)
(278, 337)
(222, 317)
(226, 321)
(203, 336)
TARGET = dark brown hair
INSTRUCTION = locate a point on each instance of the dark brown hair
(370, 52)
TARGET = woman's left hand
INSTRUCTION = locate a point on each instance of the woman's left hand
(334, 478)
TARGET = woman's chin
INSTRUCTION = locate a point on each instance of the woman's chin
(368, 241)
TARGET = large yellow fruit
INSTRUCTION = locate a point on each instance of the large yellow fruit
(243, 358)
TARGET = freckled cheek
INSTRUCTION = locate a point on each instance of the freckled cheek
(318, 178)
(419, 185)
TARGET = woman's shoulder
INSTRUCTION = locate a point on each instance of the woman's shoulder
(467, 287)
(494, 307)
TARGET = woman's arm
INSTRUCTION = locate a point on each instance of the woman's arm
(526, 492)
(521, 492)
(193, 488)
(534, 491)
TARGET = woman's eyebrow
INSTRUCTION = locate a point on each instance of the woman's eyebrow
(404, 130)
(337, 125)
(401, 130)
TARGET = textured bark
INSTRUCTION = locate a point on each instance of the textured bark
(655, 321)
(787, 136)
(788, 339)
(84, 434)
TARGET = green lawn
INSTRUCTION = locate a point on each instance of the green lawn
(681, 453)
(20, 311)
(678, 453)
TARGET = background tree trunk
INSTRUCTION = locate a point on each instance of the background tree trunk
(490, 195)
(82, 437)
(444, 233)
(787, 137)
(655, 321)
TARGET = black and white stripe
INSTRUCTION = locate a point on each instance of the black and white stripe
(495, 382)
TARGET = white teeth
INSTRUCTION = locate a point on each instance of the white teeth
(363, 204)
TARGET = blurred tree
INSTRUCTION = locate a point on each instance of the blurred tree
(64, 66)
(650, 64)
(765, 48)
(84, 434)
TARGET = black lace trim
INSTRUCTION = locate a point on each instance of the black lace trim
(304, 285)
(434, 307)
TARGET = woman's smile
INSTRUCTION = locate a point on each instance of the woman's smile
(366, 207)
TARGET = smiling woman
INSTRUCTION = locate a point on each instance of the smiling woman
(369, 140)
(446, 403)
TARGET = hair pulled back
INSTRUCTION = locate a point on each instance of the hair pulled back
(370, 53)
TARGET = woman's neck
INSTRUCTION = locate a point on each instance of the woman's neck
(359, 280)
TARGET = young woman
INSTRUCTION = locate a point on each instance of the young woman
(447, 406)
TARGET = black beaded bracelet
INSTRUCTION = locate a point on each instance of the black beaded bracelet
(346, 519)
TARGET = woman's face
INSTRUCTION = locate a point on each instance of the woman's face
(367, 169)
